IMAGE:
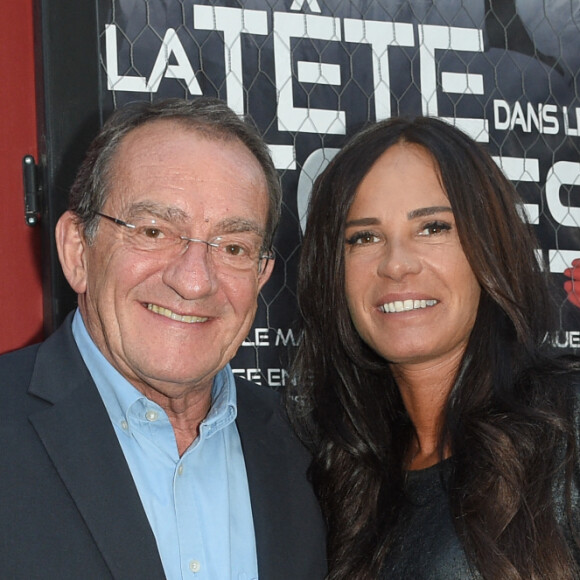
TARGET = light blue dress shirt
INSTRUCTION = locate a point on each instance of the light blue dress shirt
(198, 504)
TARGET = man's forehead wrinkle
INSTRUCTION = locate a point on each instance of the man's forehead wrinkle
(178, 178)
(137, 143)
(152, 177)
(138, 155)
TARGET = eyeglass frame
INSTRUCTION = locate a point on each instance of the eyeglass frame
(269, 255)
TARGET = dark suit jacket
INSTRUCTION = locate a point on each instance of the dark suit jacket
(69, 508)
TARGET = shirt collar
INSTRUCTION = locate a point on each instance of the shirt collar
(119, 394)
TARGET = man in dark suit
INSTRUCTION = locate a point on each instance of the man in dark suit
(128, 448)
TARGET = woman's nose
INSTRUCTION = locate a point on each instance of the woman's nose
(397, 260)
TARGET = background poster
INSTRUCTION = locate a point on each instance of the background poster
(312, 72)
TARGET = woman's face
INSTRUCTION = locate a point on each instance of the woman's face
(411, 293)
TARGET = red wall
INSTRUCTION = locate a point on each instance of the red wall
(20, 282)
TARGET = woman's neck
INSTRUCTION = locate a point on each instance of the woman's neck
(425, 390)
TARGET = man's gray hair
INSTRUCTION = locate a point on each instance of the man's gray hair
(210, 117)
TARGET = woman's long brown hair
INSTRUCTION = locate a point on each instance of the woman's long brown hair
(505, 420)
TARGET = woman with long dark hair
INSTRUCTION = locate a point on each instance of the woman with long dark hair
(444, 433)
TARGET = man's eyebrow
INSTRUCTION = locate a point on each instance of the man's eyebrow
(174, 214)
(236, 225)
(427, 211)
(157, 210)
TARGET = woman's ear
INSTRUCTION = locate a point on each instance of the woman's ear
(71, 246)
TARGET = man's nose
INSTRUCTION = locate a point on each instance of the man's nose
(191, 274)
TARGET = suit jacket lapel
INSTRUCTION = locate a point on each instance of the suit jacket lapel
(79, 438)
(265, 456)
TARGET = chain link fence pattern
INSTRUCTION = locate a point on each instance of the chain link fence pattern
(310, 73)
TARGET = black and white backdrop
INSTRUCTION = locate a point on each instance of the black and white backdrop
(312, 72)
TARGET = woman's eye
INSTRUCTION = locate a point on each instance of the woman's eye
(362, 239)
(435, 228)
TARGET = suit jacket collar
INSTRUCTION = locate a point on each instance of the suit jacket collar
(78, 436)
(266, 456)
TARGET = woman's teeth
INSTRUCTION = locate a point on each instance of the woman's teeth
(406, 305)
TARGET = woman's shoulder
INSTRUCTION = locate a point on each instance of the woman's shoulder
(568, 379)
(572, 382)
(559, 375)
(554, 391)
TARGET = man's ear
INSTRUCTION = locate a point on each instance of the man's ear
(71, 246)
(265, 273)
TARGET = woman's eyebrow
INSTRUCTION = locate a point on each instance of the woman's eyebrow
(415, 213)
(368, 221)
(427, 211)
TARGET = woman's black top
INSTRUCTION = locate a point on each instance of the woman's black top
(427, 546)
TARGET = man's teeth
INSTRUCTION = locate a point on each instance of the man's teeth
(406, 305)
(169, 314)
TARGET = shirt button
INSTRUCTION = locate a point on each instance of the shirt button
(194, 566)
(124, 425)
(151, 415)
(180, 470)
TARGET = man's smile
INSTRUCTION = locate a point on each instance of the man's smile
(174, 316)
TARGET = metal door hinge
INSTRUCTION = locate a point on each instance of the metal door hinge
(31, 190)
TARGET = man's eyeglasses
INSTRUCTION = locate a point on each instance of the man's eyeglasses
(236, 251)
